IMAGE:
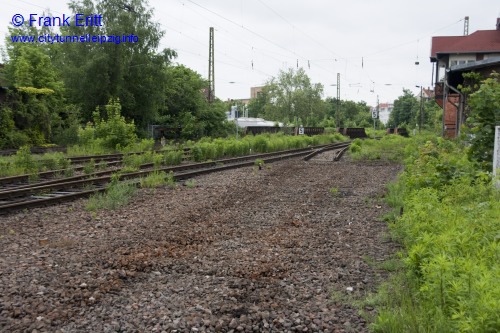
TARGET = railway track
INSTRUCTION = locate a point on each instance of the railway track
(339, 150)
(57, 190)
(111, 160)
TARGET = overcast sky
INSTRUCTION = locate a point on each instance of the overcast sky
(374, 45)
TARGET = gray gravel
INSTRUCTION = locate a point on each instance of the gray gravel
(246, 250)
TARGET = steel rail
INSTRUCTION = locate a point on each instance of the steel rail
(344, 145)
(70, 190)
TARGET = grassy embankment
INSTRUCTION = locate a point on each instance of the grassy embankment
(448, 280)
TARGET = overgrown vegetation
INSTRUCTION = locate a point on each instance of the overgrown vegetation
(484, 116)
(389, 147)
(210, 149)
(24, 162)
(449, 230)
(117, 194)
(158, 178)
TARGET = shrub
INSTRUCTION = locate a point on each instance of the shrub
(115, 132)
(158, 178)
(116, 195)
(449, 230)
(25, 160)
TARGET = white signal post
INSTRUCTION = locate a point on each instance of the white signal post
(496, 155)
(375, 117)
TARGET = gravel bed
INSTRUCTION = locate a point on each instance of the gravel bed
(247, 250)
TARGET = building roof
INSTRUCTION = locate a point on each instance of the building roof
(481, 41)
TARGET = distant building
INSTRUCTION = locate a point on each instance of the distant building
(242, 119)
(255, 91)
(427, 94)
(455, 55)
(384, 110)
(244, 101)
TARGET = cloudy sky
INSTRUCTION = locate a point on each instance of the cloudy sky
(374, 45)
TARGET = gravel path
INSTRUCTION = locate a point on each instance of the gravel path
(246, 250)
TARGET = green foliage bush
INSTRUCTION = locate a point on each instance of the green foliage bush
(389, 147)
(449, 229)
(208, 149)
(485, 115)
(113, 133)
(117, 194)
(25, 160)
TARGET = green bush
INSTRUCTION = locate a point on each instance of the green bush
(25, 160)
(158, 178)
(118, 194)
(113, 133)
(449, 230)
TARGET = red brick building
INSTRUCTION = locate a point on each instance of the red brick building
(454, 56)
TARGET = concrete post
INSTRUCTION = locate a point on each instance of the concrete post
(496, 155)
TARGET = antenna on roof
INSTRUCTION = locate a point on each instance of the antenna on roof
(466, 26)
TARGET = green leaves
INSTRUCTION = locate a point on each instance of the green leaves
(449, 229)
(292, 95)
(485, 115)
(405, 110)
(111, 133)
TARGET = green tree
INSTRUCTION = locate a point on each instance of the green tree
(432, 116)
(256, 107)
(131, 70)
(185, 105)
(183, 93)
(405, 110)
(484, 116)
(292, 95)
(36, 90)
(351, 114)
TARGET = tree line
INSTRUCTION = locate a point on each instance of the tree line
(56, 89)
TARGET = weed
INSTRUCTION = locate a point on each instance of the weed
(259, 163)
(88, 187)
(157, 161)
(115, 196)
(33, 178)
(391, 265)
(69, 172)
(25, 160)
(334, 191)
(102, 165)
(89, 167)
(158, 178)
(128, 169)
(154, 179)
(173, 157)
(449, 232)
(190, 183)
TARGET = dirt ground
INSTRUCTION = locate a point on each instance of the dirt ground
(282, 249)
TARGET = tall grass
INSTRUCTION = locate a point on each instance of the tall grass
(450, 233)
(24, 162)
(158, 178)
(118, 194)
(264, 143)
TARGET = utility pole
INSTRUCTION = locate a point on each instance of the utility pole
(211, 72)
(338, 100)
